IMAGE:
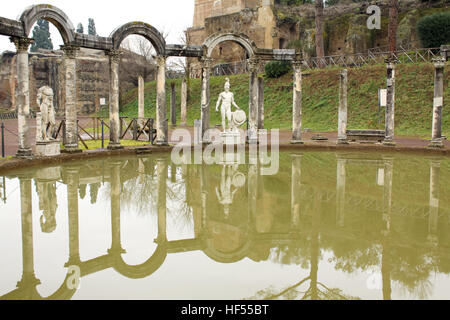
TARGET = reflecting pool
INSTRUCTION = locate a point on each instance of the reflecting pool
(326, 226)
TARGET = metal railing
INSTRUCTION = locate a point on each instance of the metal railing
(372, 57)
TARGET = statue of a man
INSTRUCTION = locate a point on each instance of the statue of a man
(227, 100)
(45, 102)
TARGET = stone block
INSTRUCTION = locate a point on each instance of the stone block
(48, 148)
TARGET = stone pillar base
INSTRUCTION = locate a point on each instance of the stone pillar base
(298, 142)
(162, 144)
(113, 146)
(231, 138)
(389, 143)
(48, 148)
(24, 153)
(343, 142)
(436, 144)
(71, 150)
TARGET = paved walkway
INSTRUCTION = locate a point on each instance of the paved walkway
(11, 138)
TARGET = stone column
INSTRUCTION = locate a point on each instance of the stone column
(173, 104)
(206, 73)
(71, 141)
(340, 196)
(343, 106)
(435, 171)
(253, 100)
(116, 188)
(184, 102)
(162, 127)
(23, 95)
(260, 103)
(73, 177)
(141, 101)
(297, 104)
(162, 199)
(390, 106)
(438, 103)
(29, 279)
(114, 118)
(296, 190)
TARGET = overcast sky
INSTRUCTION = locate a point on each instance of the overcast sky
(168, 16)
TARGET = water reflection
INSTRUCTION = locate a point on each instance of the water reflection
(353, 214)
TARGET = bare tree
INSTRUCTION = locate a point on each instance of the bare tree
(320, 51)
(393, 24)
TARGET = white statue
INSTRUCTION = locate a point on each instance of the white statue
(227, 100)
(45, 102)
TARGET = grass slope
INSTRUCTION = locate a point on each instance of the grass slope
(414, 99)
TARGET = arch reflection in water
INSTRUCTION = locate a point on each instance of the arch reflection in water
(356, 217)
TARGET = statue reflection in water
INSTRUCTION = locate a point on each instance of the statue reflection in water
(231, 181)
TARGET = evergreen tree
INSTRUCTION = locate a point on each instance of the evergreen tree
(41, 36)
(80, 28)
(91, 29)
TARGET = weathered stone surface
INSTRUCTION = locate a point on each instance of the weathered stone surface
(438, 103)
(162, 126)
(23, 95)
(390, 108)
(48, 148)
(206, 73)
(114, 119)
(297, 105)
(184, 95)
(71, 139)
(343, 106)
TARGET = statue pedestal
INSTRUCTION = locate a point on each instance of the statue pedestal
(48, 148)
(231, 138)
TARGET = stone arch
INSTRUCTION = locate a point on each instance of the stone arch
(232, 257)
(214, 40)
(52, 14)
(139, 28)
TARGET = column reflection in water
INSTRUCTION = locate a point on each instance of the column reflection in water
(116, 187)
(340, 197)
(296, 190)
(162, 169)
(72, 177)
(29, 281)
(386, 263)
(435, 171)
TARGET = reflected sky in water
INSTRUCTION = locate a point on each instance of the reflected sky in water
(327, 226)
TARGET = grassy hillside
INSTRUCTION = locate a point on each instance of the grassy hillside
(414, 99)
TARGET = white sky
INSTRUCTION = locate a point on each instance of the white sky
(168, 16)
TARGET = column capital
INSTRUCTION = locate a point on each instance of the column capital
(344, 72)
(391, 62)
(439, 62)
(114, 55)
(70, 51)
(297, 64)
(161, 61)
(253, 64)
(206, 62)
(22, 44)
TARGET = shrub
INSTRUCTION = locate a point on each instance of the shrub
(434, 30)
(276, 69)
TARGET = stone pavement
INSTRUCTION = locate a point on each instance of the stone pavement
(11, 139)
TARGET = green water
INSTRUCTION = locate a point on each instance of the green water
(326, 226)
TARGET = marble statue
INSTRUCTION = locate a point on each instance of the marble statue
(45, 102)
(226, 101)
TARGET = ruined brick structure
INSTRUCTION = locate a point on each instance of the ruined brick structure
(274, 26)
(47, 69)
